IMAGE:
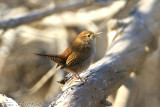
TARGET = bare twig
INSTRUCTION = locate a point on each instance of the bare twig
(38, 85)
(126, 55)
(39, 14)
(62, 45)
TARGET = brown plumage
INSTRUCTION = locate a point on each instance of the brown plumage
(78, 56)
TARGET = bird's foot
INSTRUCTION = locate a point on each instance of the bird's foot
(75, 78)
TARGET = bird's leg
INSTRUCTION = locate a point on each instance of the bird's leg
(79, 77)
(74, 74)
(75, 77)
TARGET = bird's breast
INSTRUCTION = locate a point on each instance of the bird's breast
(84, 64)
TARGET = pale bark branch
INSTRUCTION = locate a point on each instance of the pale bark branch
(39, 14)
(127, 54)
(7, 102)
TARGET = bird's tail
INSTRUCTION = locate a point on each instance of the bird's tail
(55, 58)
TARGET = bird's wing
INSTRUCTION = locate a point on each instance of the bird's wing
(76, 57)
(66, 53)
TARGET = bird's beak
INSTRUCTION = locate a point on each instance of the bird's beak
(99, 33)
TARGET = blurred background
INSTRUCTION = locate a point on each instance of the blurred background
(49, 26)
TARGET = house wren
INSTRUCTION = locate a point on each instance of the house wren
(77, 57)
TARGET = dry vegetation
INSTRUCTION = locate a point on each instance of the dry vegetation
(130, 43)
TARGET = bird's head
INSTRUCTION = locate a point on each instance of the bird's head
(87, 37)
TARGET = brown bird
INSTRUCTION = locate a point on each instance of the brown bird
(77, 57)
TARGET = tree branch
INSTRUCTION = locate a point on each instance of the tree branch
(7, 102)
(127, 54)
(39, 14)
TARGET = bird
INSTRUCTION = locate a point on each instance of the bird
(78, 56)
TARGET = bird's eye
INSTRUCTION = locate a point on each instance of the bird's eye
(88, 35)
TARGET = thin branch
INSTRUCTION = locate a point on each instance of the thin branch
(38, 85)
(126, 55)
(62, 44)
(39, 14)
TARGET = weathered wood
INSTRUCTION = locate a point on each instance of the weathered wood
(39, 14)
(7, 102)
(126, 54)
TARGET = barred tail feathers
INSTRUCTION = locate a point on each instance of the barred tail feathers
(52, 57)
